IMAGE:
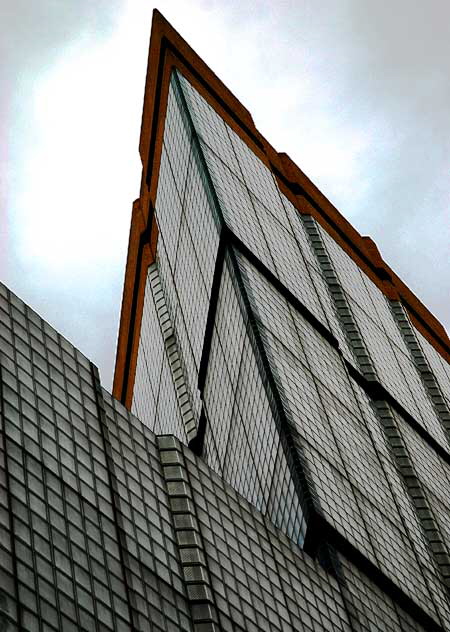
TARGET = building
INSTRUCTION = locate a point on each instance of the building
(264, 332)
(104, 526)
(290, 467)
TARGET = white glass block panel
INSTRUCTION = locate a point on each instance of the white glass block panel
(347, 271)
(271, 307)
(259, 179)
(338, 501)
(168, 209)
(394, 554)
(398, 374)
(372, 422)
(166, 275)
(326, 364)
(252, 411)
(229, 323)
(190, 367)
(208, 124)
(168, 415)
(233, 196)
(219, 402)
(143, 404)
(439, 366)
(191, 291)
(427, 412)
(149, 363)
(384, 359)
(383, 315)
(330, 313)
(242, 431)
(429, 466)
(177, 137)
(290, 266)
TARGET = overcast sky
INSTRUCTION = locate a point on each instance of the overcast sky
(357, 92)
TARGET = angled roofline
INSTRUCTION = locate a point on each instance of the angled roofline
(169, 50)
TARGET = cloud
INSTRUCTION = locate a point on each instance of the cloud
(358, 95)
(355, 92)
(52, 242)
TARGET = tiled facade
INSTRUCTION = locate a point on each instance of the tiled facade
(286, 461)
(87, 536)
(309, 391)
(105, 526)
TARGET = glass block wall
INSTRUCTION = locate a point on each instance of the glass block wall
(106, 526)
(313, 395)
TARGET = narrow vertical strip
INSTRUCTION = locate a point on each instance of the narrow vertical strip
(113, 486)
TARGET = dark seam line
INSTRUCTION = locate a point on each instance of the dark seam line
(197, 444)
(346, 594)
(381, 273)
(370, 388)
(112, 480)
(8, 494)
(143, 239)
(167, 45)
(374, 390)
(284, 291)
(411, 309)
(194, 513)
(157, 103)
(374, 574)
(297, 189)
(377, 392)
(294, 459)
(212, 309)
(199, 156)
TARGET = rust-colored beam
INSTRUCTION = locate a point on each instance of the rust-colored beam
(168, 50)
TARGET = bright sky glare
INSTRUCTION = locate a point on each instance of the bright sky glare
(357, 93)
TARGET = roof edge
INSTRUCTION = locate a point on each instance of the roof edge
(168, 50)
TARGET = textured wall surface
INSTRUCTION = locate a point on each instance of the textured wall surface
(286, 464)
(312, 393)
(105, 526)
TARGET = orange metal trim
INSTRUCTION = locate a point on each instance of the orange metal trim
(141, 253)
(125, 314)
(169, 50)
